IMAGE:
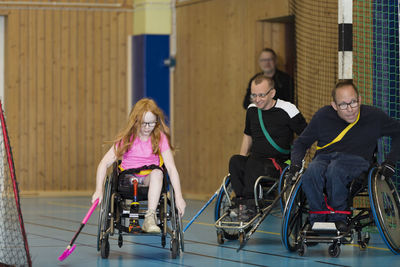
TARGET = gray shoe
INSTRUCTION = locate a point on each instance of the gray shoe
(234, 213)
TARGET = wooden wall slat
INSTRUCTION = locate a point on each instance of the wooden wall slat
(24, 111)
(30, 98)
(41, 110)
(49, 91)
(56, 103)
(81, 153)
(73, 92)
(65, 59)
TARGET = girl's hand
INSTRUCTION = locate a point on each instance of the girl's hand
(181, 205)
(97, 195)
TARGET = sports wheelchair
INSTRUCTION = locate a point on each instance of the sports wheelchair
(116, 212)
(383, 211)
(268, 192)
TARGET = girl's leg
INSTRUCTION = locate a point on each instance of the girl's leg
(154, 181)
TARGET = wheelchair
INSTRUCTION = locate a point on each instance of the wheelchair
(115, 212)
(383, 211)
(268, 191)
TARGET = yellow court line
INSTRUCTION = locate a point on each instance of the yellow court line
(355, 245)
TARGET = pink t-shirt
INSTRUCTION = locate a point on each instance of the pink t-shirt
(141, 153)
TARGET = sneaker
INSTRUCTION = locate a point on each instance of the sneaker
(149, 224)
(234, 208)
(234, 212)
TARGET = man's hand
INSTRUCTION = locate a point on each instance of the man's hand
(291, 174)
(386, 170)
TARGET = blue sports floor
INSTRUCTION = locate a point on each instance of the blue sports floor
(51, 223)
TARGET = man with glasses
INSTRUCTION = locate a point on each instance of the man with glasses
(283, 82)
(259, 154)
(346, 133)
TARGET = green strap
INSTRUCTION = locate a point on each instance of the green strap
(283, 151)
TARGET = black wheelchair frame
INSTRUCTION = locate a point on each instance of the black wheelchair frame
(266, 197)
(114, 212)
(384, 212)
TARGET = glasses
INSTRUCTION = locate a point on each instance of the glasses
(262, 95)
(344, 105)
(149, 124)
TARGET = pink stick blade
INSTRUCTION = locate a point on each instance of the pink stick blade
(66, 253)
(70, 249)
(92, 208)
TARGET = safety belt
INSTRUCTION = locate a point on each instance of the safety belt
(340, 136)
(269, 138)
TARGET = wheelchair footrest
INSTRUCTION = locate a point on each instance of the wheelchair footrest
(324, 226)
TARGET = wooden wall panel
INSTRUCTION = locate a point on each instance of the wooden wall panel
(66, 87)
(216, 55)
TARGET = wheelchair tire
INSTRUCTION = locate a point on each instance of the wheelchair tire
(105, 248)
(120, 240)
(302, 249)
(104, 220)
(221, 206)
(176, 225)
(295, 218)
(334, 250)
(283, 199)
(163, 240)
(220, 238)
(385, 207)
(174, 248)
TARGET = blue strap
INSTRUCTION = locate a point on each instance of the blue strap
(283, 151)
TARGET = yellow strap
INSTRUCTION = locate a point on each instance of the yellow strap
(146, 172)
(340, 136)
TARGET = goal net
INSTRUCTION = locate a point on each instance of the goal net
(14, 250)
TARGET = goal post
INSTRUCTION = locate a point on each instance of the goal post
(14, 249)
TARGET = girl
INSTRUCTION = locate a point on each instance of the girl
(142, 140)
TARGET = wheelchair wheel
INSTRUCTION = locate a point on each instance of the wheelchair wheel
(285, 195)
(302, 249)
(105, 248)
(385, 207)
(176, 225)
(334, 250)
(295, 218)
(174, 248)
(222, 206)
(104, 219)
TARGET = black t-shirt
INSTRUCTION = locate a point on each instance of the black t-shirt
(280, 122)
